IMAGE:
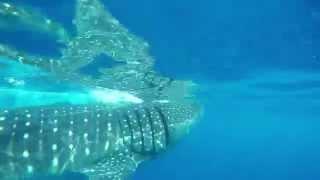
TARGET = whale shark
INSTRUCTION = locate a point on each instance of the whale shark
(92, 139)
(133, 113)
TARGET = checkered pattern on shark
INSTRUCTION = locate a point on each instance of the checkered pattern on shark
(64, 137)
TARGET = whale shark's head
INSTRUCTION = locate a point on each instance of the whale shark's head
(181, 109)
(180, 119)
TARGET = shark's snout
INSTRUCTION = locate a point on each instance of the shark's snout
(181, 118)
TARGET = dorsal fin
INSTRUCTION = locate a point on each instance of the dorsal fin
(13, 17)
(100, 33)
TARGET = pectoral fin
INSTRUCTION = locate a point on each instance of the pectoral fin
(117, 166)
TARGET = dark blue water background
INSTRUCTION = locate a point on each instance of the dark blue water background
(257, 63)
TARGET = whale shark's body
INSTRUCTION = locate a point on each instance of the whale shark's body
(102, 141)
(91, 139)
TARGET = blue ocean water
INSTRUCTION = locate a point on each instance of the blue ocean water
(257, 63)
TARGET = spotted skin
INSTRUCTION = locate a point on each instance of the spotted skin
(103, 143)
(87, 139)
(53, 139)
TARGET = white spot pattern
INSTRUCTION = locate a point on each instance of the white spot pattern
(25, 154)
